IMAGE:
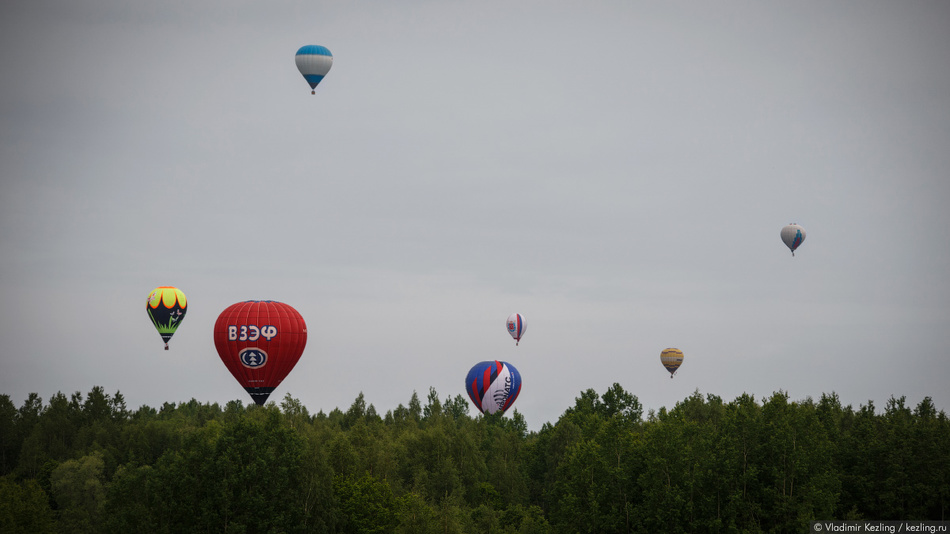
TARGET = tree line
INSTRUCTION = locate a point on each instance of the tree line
(89, 464)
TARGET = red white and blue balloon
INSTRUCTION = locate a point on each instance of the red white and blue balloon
(793, 235)
(516, 326)
(493, 386)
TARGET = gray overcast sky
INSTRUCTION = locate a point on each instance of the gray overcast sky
(617, 172)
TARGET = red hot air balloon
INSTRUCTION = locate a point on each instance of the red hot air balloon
(260, 341)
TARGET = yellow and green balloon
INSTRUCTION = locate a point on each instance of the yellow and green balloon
(166, 307)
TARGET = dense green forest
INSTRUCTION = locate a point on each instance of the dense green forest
(90, 464)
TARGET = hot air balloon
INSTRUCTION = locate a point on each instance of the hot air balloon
(671, 359)
(166, 307)
(493, 386)
(260, 341)
(314, 62)
(793, 235)
(516, 326)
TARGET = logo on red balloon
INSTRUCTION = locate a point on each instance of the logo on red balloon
(253, 357)
(250, 332)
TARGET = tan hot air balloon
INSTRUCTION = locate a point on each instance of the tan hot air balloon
(671, 359)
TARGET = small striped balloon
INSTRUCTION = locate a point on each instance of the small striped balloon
(671, 359)
(314, 62)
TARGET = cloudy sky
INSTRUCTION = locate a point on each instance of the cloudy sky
(617, 172)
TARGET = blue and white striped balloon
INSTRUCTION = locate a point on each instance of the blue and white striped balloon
(314, 62)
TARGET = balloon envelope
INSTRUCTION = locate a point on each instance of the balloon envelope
(516, 326)
(260, 342)
(313, 62)
(793, 235)
(493, 386)
(671, 359)
(166, 307)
